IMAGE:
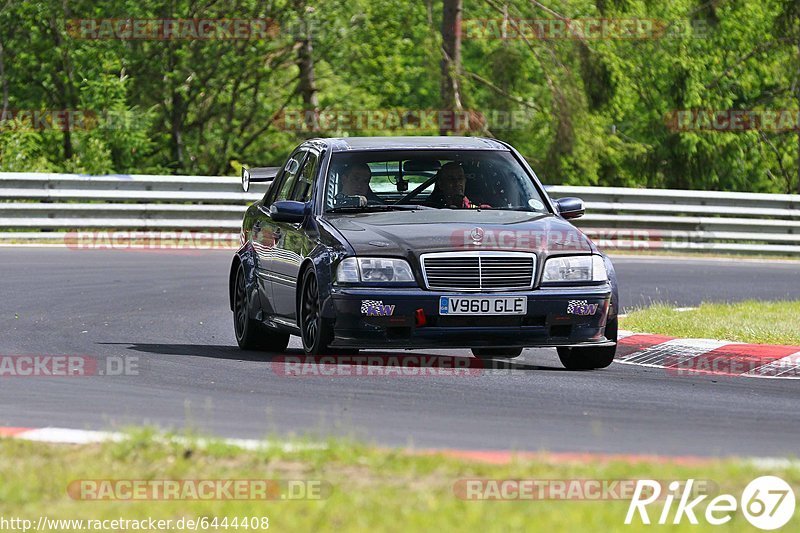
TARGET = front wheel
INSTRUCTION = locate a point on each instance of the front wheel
(587, 358)
(491, 353)
(251, 334)
(591, 357)
(316, 332)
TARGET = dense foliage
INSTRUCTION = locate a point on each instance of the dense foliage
(587, 108)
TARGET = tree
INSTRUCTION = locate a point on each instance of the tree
(451, 60)
(307, 86)
(788, 24)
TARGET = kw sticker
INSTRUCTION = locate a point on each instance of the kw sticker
(581, 308)
(376, 308)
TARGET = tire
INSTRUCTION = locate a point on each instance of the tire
(590, 358)
(315, 331)
(251, 334)
(492, 353)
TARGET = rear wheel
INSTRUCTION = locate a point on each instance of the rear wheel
(589, 357)
(491, 353)
(316, 332)
(251, 334)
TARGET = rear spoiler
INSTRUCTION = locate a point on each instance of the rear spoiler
(258, 175)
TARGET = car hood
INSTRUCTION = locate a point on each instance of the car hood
(410, 233)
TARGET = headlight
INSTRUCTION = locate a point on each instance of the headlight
(373, 269)
(575, 268)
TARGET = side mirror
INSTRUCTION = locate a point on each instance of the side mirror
(570, 207)
(245, 179)
(288, 211)
(258, 175)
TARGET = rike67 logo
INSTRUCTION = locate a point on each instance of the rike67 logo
(767, 503)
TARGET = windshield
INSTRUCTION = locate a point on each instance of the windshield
(432, 179)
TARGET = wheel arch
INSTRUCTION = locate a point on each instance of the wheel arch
(232, 278)
(615, 309)
(307, 264)
(245, 259)
(320, 260)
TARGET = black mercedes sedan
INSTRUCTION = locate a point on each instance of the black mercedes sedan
(419, 242)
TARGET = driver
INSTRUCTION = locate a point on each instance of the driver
(449, 189)
(355, 182)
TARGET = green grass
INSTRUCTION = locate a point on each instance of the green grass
(372, 489)
(750, 321)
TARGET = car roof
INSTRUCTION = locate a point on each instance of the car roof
(346, 144)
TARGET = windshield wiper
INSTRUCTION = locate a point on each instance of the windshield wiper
(376, 207)
(411, 207)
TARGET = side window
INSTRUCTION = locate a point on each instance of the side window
(279, 189)
(290, 172)
(275, 188)
(305, 183)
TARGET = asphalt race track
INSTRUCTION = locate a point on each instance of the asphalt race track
(167, 313)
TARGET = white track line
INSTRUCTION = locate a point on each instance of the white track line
(80, 436)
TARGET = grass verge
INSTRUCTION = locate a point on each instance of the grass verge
(749, 321)
(370, 488)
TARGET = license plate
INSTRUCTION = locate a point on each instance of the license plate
(483, 305)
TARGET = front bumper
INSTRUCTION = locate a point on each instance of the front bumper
(546, 323)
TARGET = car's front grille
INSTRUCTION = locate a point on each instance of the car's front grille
(479, 271)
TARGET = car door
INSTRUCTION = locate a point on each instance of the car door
(266, 234)
(294, 244)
